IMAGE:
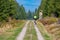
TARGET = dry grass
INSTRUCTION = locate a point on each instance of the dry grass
(54, 30)
(44, 32)
(48, 21)
(52, 27)
(10, 30)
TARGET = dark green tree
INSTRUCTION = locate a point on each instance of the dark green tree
(49, 7)
(29, 15)
(8, 8)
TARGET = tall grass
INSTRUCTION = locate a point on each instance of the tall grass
(44, 31)
(11, 33)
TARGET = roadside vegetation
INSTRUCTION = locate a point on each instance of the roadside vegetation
(51, 18)
(48, 20)
(31, 33)
(50, 7)
(52, 25)
(10, 30)
(43, 31)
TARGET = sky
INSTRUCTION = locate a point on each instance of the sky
(29, 4)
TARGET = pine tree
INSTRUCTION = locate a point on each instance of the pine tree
(49, 7)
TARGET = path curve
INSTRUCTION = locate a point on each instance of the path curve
(23, 32)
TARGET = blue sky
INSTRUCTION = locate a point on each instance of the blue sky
(29, 4)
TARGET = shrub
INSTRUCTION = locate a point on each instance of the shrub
(48, 21)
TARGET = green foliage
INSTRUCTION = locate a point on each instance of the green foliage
(49, 7)
(22, 13)
(36, 13)
(8, 8)
(11, 9)
(29, 15)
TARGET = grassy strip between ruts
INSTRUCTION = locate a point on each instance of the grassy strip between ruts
(44, 32)
(31, 33)
(12, 33)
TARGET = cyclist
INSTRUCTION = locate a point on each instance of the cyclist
(35, 18)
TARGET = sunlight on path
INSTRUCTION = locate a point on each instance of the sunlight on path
(23, 32)
(39, 36)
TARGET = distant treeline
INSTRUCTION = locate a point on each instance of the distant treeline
(50, 7)
(10, 9)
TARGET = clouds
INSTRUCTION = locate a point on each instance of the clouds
(29, 4)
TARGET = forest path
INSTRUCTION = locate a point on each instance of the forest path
(24, 30)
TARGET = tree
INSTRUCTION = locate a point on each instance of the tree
(29, 15)
(49, 7)
(8, 8)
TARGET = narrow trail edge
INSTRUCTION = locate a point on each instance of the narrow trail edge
(39, 36)
(23, 32)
